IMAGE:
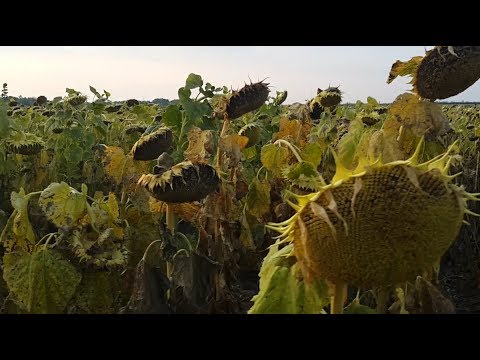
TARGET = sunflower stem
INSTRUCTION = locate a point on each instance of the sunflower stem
(171, 227)
(338, 298)
(290, 146)
(225, 126)
(381, 299)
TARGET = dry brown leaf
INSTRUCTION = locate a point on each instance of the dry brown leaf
(404, 68)
(421, 116)
(199, 144)
(121, 168)
(232, 146)
(185, 211)
(294, 131)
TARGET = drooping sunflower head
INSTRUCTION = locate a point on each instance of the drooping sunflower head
(238, 103)
(132, 102)
(76, 100)
(151, 146)
(183, 182)
(380, 224)
(330, 97)
(25, 144)
(443, 72)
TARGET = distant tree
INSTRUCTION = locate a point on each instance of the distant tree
(161, 101)
(25, 101)
(4, 91)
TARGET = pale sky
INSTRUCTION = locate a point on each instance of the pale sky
(145, 73)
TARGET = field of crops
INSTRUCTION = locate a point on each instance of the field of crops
(233, 202)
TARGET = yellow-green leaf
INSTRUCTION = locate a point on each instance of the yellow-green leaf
(403, 68)
(258, 198)
(96, 293)
(283, 289)
(274, 158)
(304, 175)
(62, 204)
(312, 153)
(22, 228)
(42, 282)
(18, 200)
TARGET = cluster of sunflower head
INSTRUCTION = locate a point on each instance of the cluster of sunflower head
(184, 182)
(190, 181)
(389, 218)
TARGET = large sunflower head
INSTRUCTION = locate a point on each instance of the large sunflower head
(379, 224)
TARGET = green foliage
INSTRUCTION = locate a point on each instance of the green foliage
(258, 198)
(42, 282)
(96, 293)
(283, 289)
(304, 175)
(274, 158)
(356, 308)
(312, 153)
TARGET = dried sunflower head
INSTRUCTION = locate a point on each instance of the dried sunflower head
(238, 103)
(151, 146)
(184, 182)
(378, 225)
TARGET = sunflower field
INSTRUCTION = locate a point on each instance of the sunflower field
(234, 202)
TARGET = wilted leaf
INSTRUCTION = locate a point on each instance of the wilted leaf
(288, 129)
(400, 68)
(149, 291)
(232, 146)
(121, 168)
(18, 231)
(198, 142)
(249, 153)
(420, 116)
(294, 130)
(274, 158)
(112, 205)
(62, 204)
(246, 233)
(425, 298)
(185, 211)
(44, 281)
(258, 198)
(96, 293)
